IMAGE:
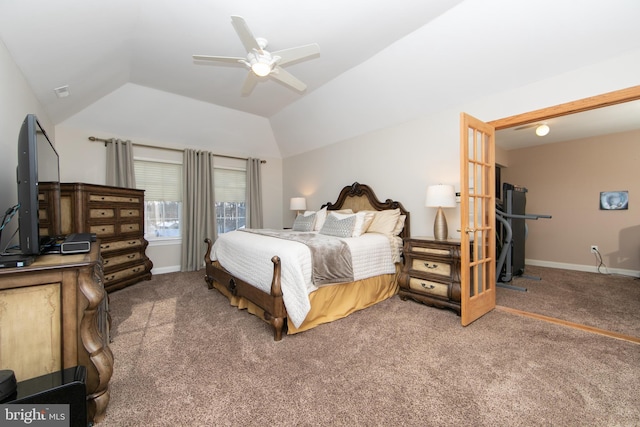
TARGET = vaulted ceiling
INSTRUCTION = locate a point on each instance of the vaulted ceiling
(380, 63)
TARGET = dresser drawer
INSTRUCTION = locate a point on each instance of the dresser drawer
(123, 274)
(429, 287)
(109, 262)
(131, 227)
(101, 213)
(129, 213)
(113, 199)
(119, 245)
(103, 230)
(431, 267)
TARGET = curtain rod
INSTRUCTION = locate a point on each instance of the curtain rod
(93, 138)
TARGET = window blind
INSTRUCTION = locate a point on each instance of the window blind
(161, 181)
(230, 185)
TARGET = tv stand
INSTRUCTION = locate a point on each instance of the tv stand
(64, 299)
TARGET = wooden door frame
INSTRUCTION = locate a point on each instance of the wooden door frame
(585, 104)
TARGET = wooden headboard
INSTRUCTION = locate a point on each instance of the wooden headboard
(359, 197)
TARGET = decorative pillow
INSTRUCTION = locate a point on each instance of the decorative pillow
(304, 222)
(363, 219)
(321, 215)
(334, 226)
(385, 221)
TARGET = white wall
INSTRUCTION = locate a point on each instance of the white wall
(399, 162)
(17, 100)
(82, 160)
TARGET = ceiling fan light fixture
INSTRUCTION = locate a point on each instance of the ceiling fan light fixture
(542, 130)
(261, 69)
(260, 64)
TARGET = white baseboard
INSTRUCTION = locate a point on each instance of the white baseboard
(164, 270)
(579, 267)
(539, 263)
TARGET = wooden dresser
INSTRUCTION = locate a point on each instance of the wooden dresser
(431, 272)
(54, 315)
(116, 216)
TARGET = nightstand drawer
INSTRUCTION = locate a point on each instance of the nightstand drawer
(431, 267)
(429, 287)
(431, 272)
(430, 251)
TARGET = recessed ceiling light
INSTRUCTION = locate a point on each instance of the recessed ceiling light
(542, 130)
(62, 91)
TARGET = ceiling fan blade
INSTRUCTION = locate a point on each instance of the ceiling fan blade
(246, 37)
(297, 53)
(249, 83)
(231, 59)
(287, 78)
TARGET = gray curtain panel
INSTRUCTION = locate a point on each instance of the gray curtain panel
(198, 205)
(120, 171)
(254, 193)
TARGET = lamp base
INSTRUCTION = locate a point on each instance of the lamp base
(440, 229)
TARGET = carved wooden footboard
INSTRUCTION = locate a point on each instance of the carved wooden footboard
(356, 197)
(272, 303)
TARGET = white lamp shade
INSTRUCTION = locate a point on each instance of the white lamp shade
(441, 196)
(298, 204)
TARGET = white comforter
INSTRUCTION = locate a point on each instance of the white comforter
(248, 257)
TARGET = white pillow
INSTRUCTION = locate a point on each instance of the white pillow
(321, 216)
(385, 221)
(399, 225)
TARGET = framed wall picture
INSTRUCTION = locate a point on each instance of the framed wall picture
(614, 200)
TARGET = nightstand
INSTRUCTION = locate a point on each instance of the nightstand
(431, 272)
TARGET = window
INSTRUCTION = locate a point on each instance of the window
(230, 193)
(162, 182)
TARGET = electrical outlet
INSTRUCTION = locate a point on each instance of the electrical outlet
(594, 249)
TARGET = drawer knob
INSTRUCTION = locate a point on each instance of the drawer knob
(429, 286)
(432, 266)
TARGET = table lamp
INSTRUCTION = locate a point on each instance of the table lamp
(298, 204)
(440, 196)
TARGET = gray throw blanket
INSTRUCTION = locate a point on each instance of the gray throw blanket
(331, 257)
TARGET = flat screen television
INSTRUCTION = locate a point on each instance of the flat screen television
(38, 167)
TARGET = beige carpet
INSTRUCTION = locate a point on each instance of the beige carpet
(610, 302)
(184, 357)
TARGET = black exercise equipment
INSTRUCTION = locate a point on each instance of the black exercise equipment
(511, 229)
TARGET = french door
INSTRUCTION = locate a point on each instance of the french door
(477, 211)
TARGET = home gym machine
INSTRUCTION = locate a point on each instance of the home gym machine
(511, 232)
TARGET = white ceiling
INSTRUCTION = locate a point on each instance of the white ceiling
(602, 121)
(97, 46)
(381, 62)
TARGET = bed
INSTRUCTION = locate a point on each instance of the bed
(275, 276)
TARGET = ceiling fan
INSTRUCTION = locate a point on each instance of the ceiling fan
(262, 63)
